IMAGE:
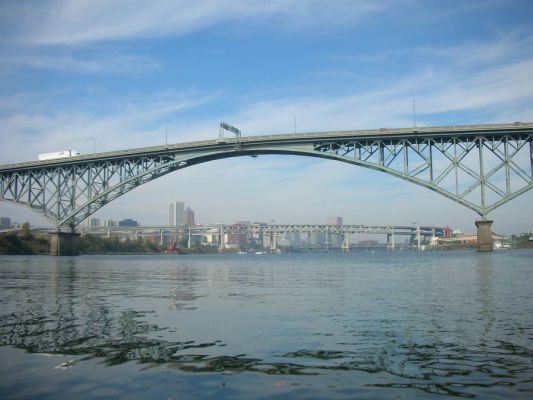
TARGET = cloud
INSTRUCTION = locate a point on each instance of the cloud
(110, 65)
(136, 122)
(61, 22)
(471, 81)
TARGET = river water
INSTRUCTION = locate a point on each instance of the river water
(289, 326)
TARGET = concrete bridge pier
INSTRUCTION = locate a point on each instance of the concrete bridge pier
(273, 244)
(221, 241)
(484, 235)
(64, 243)
(391, 242)
(345, 244)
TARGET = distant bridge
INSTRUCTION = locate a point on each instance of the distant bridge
(478, 166)
(273, 231)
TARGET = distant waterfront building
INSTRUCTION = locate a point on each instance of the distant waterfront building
(293, 238)
(128, 222)
(333, 239)
(175, 213)
(368, 243)
(94, 222)
(188, 217)
(5, 222)
(110, 223)
(239, 239)
(334, 221)
(318, 238)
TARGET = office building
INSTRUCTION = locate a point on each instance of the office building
(110, 223)
(334, 239)
(175, 213)
(94, 222)
(188, 217)
(334, 221)
(128, 222)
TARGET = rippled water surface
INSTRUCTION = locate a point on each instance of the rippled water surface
(358, 325)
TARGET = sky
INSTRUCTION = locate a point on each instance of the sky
(99, 75)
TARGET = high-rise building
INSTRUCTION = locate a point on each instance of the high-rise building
(188, 217)
(334, 221)
(94, 222)
(175, 213)
(128, 222)
(110, 223)
(334, 239)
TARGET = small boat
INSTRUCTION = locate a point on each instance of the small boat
(500, 245)
(172, 248)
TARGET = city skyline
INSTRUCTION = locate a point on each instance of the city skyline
(72, 79)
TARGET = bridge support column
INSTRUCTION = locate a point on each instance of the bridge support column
(391, 242)
(221, 241)
(345, 244)
(64, 243)
(273, 242)
(484, 235)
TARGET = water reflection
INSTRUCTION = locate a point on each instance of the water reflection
(441, 330)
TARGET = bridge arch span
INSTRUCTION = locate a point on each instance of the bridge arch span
(464, 164)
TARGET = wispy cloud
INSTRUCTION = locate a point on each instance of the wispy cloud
(109, 65)
(61, 22)
(136, 122)
(362, 84)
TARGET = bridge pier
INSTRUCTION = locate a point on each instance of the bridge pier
(484, 235)
(345, 244)
(220, 240)
(391, 242)
(273, 243)
(64, 243)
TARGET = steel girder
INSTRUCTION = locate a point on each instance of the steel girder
(69, 193)
(269, 229)
(343, 230)
(481, 171)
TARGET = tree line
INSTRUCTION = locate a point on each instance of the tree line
(25, 242)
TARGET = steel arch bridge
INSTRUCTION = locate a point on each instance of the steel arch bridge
(478, 166)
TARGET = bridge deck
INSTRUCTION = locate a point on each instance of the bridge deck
(392, 133)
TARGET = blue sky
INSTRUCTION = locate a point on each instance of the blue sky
(78, 73)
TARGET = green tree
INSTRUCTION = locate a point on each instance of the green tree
(26, 232)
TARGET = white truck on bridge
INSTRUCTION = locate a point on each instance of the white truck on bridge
(58, 154)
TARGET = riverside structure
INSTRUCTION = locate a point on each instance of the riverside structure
(219, 233)
(478, 166)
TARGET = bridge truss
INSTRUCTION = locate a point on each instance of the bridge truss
(480, 167)
(270, 229)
